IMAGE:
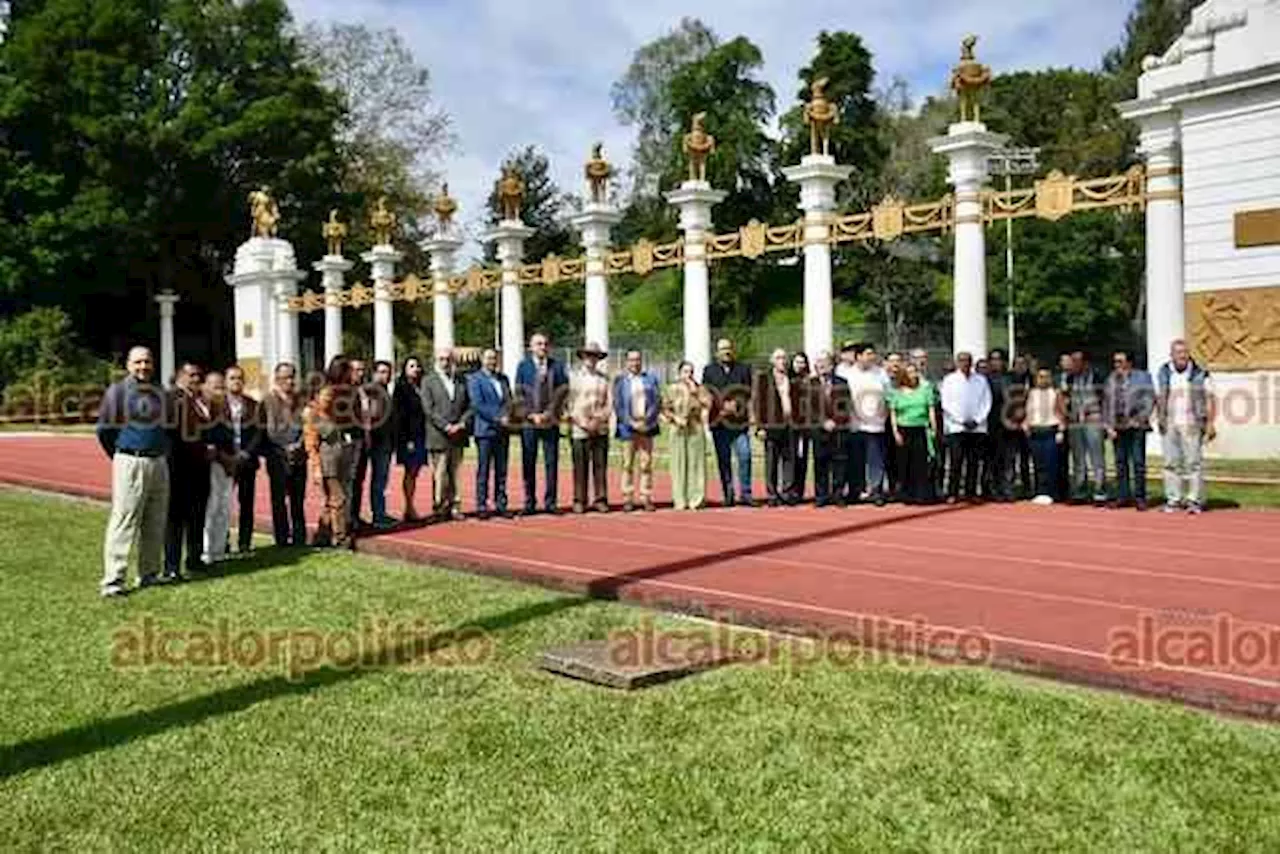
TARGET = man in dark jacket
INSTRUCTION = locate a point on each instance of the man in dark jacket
(730, 381)
(541, 386)
(247, 425)
(381, 424)
(444, 399)
(490, 394)
(830, 405)
(1127, 404)
(1085, 430)
(776, 404)
(189, 460)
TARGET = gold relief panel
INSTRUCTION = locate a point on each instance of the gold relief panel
(642, 257)
(888, 219)
(1236, 329)
(252, 370)
(1054, 196)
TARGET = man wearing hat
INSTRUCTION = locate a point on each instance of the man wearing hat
(589, 409)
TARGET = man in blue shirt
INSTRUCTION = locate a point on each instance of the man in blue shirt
(132, 432)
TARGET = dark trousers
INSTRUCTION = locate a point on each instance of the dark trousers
(491, 455)
(1131, 461)
(246, 491)
(779, 463)
(891, 466)
(358, 474)
(1021, 459)
(730, 443)
(915, 474)
(590, 459)
(288, 493)
(1046, 452)
(855, 475)
(800, 467)
(188, 500)
(964, 453)
(830, 465)
(549, 440)
(1063, 472)
(1001, 462)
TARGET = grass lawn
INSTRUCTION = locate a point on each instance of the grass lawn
(500, 756)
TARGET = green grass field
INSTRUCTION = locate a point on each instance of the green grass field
(501, 756)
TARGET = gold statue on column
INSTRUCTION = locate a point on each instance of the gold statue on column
(264, 212)
(445, 207)
(820, 114)
(334, 232)
(697, 145)
(382, 221)
(968, 79)
(598, 172)
(510, 193)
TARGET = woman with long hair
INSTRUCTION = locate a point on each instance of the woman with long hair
(685, 408)
(411, 430)
(914, 426)
(329, 461)
(802, 373)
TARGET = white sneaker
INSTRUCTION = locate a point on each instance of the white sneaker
(1170, 507)
(1042, 500)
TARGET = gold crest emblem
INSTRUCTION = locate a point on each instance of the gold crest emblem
(1054, 195)
(475, 280)
(888, 219)
(550, 270)
(361, 295)
(411, 287)
(752, 237)
(642, 257)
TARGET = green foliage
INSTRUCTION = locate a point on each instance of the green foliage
(1152, 26)
(41, 346)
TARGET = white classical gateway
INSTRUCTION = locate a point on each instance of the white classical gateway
(1209, 111)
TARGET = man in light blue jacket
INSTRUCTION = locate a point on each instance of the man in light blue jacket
(636, 404)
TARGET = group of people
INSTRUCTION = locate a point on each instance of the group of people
(877, 430)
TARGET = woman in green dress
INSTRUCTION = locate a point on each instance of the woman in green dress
(915, 429)
(685, 409)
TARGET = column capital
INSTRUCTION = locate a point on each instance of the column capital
(817, 175)
(594, 222)
(383, 253)
(333, 264)
(967, 146)
(695, 200)
(510, 235)
(167, 299)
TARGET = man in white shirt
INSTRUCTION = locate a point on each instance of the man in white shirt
(867, 385)
(966, 403)
(1185, 411)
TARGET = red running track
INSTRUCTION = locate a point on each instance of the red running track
(1172, 606)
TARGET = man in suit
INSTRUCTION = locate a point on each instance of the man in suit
(244, 414)
(830, 425)
(541, 386)
(444, 399)
(490, 394)
(189, 475)
(730, 381)
(776, 402)
(360, 469)
(637, 402)
(286, 458)
(381, 423)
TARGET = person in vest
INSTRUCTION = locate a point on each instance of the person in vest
(1185, 412)
(637, 405)
(330, 463)
(131, 430)
(541, 386)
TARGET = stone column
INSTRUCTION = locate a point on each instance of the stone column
(594, 222)
(967, 146)
(383, 258)
(817, 176)
(695, 200)
(444, 249)
(265, 275)
(286, 287)
(510, 235)
(332, 269)
(168, 359)
(1166, 309)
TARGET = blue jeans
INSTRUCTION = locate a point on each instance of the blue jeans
(875, 462)
(492, 453)
(1087, 462)
(1131, 458)
(380, 471)
(549, 439)
(729, 444)
(866, 464)
(1044, 450)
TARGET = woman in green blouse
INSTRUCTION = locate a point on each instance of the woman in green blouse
(914, 425)
(685, 409)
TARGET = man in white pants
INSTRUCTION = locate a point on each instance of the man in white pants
(131, 430)
(1185, 411)
(217, 517)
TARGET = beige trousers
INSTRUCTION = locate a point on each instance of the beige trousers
(139, 513)
(444, 477)
(637, 453)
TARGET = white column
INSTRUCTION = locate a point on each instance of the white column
(694, 200)
(383, 259)
(594, 222)
(817, 176)
(443, 249)
(332, 269)
(286, 286)
(168, 360)
(967, 147)
(510, 235)
(1166, 308)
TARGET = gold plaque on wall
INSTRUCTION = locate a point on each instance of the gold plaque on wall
(1257, 228)
(253, 378)
(1236, 329)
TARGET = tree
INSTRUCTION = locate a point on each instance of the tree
(128, 156)
(1151, 28)
(643, 96)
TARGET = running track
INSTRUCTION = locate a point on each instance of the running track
(1050, 591)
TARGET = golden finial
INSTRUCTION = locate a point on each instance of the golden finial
(598, 172)
(445, 207)
(820, 114)
(264, 212)
(510, 193)
(382, 221)
(697, 145)
(968, 79)
(334, 232)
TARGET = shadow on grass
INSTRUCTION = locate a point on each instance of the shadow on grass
(113, 732)
(258, 560)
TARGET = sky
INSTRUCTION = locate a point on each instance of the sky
(515, 72)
